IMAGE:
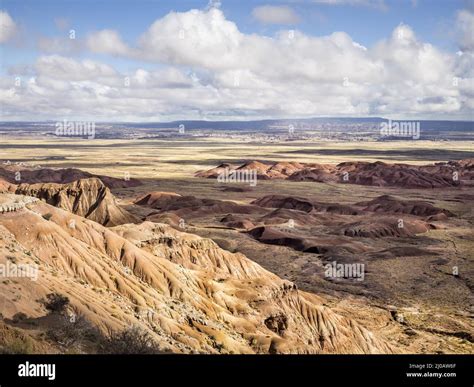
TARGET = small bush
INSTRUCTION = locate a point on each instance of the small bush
(71, 331)
(133, 340)
(55, 302)
(20, 316)
(12, 258)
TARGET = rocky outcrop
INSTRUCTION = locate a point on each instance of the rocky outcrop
(5, 186)
(390, 204)
(89, 198)
(156, 199)
(439, 175)
(12, 203)
(385, 228)
(303, 204)
(189, 207)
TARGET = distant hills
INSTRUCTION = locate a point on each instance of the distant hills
(341, 127)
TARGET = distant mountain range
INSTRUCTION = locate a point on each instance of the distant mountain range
(259, 124)
(253, 124)
(368, 128)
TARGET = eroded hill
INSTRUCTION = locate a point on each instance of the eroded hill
(439, 175)
(88, 198)
(188, 293)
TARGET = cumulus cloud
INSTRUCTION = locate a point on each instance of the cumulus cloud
(68, 69)
(107, 42)
(7, 27)
(208, 68)
(271, 14)
(196, 37)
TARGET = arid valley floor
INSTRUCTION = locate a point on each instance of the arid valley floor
(139, 252)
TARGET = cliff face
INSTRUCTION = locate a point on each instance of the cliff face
(88, 198)
(188, 293)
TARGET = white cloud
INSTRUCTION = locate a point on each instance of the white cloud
(465, 26)
(214, 4)
(67, 69)
(7, 27)
(208, 68)
(464, 70)
(107, 42)
(196, 37)
(59, 45)
(271, 14)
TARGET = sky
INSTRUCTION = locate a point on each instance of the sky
(151, 60)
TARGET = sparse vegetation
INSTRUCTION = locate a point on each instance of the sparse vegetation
(133, 340)
(17, 346)
(19, 317)
(12, 258)
(13, 341)
(70, 331)
(55, 303)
